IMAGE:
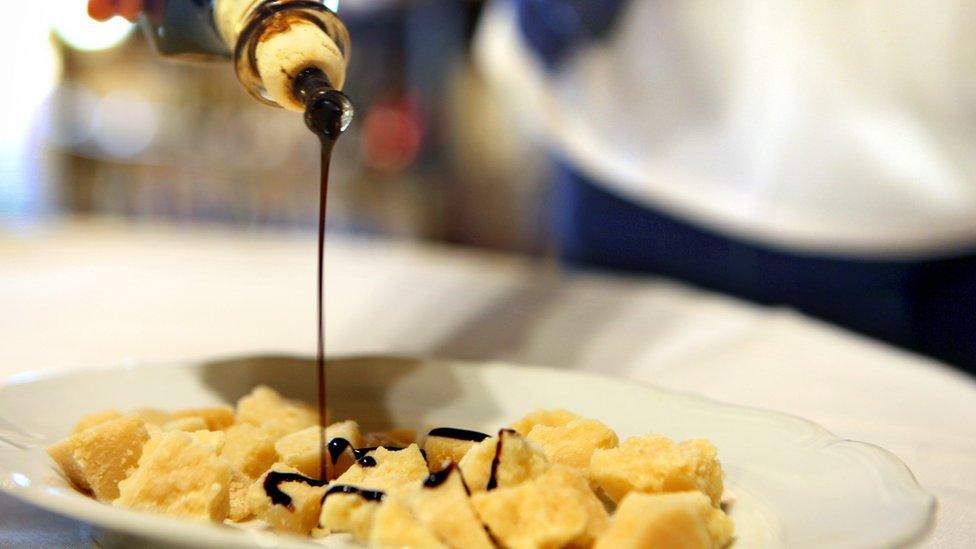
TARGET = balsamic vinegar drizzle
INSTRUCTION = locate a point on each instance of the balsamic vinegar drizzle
(336, 447)
(320, 336)
(434, 480)
(368, 495)
(457, 434)
(272, 486)
(493, 477)
(360, 453)
(327, 113)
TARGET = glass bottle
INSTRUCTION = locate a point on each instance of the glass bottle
(270, 42)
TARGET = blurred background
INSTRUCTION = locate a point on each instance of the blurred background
(805, 154)
(100, 124)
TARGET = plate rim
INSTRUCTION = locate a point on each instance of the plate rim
(220, 536)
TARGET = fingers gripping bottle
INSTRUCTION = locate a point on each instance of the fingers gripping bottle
(271, 42)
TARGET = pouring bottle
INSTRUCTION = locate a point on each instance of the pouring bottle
(270, 42)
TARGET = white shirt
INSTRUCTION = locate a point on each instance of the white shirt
(837, 127)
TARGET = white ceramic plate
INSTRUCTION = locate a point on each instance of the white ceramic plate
(796, 485)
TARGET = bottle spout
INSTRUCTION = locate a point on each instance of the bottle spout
(328, 112)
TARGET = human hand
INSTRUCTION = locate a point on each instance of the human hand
(101, 10)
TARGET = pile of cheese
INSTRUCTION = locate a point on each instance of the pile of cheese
(552, 479)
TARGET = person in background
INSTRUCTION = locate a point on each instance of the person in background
(817, 155)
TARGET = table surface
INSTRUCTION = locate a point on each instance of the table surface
(86, 293)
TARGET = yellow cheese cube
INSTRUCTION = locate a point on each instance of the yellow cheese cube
(152, 416)
(249, 449)
(573, 444)
(388, 470)
(178, 476)
(96, 459)
(302, 450)
(239, 509)
(216, 417)
(549, 418)
(348, 430)
(516, 461)
(266, 408)
(442, 451)
(443, 505)
(654, 464)
(188, 424)
(568, 480)
(297, 499)
(348, 512)
(680, 520)
(445, 445)
(394, 525)
(532, 515)
(91, 420)
(213, 439)
(396, 438)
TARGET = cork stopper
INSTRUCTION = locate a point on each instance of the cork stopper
(288, 48)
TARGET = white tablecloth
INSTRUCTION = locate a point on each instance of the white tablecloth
(89, 293)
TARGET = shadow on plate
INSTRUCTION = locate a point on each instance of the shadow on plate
(378, 392)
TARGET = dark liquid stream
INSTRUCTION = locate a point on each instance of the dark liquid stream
(320, 336)
(326, 159)
(327, 113)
